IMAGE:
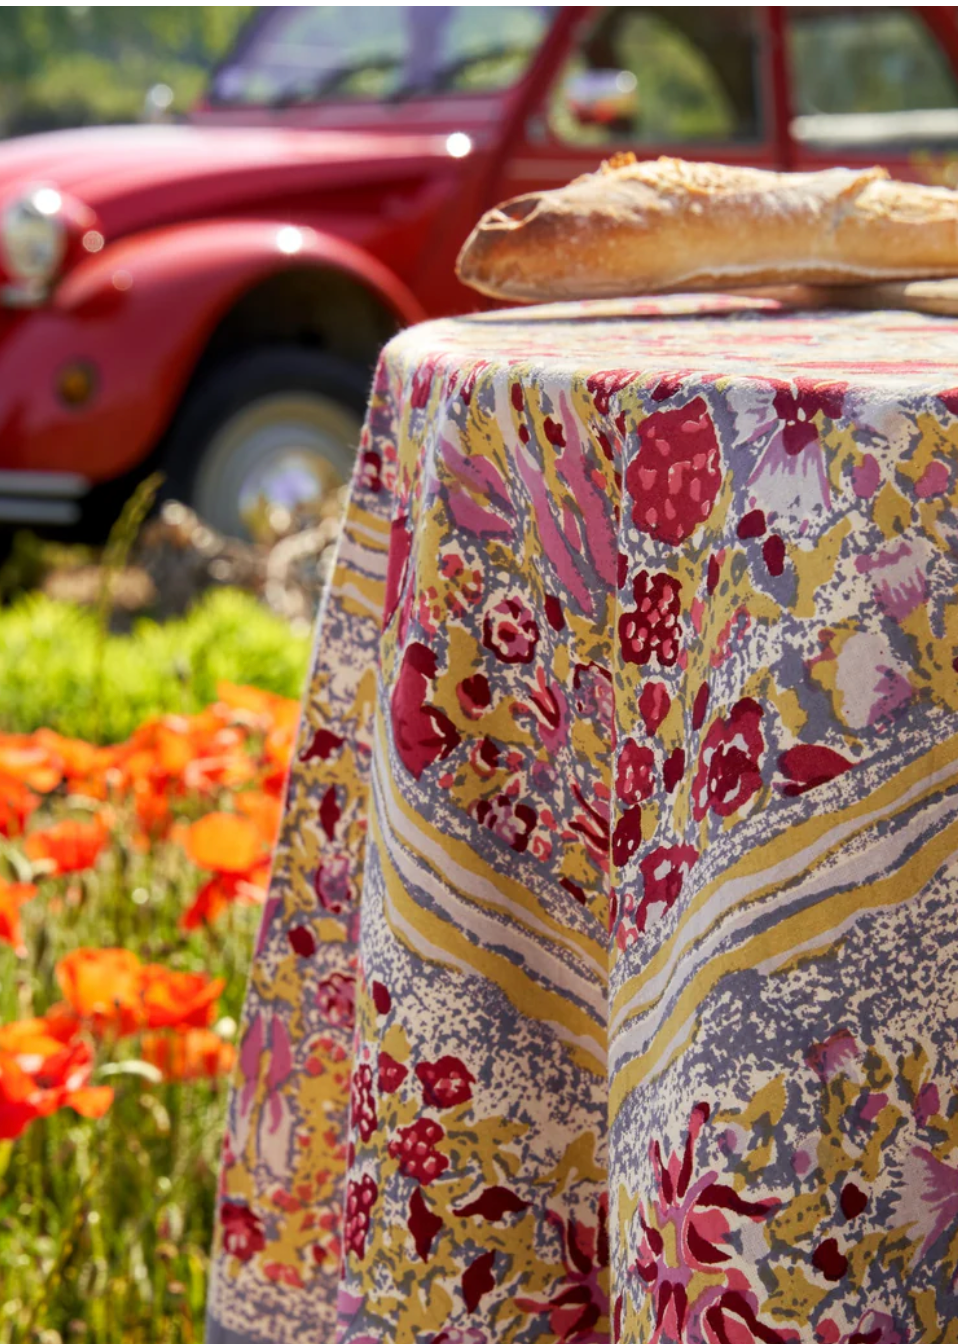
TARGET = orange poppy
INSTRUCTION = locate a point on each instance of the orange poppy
(40, 1073)
(21, 758)
(17, 802)
(179, 998)
(187, 1055)
(222, 890)
(110, 987)
(224, 842)
(12, 896)
(70, 846)
(263, 810)
(104, 986)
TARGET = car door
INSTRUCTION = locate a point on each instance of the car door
(689, 81)
(870, 85)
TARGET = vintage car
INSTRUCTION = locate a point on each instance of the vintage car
(209, 297)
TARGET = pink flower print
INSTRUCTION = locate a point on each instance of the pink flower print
(511, 821)
(336, 999)
(446, 1082)
(361, 1195)
(242, 1231)
(510, 632)
(729, 762)
(663, 873)
(414, 1148)
(832, 1056)
(933, 481)
(675, 476)
(685, 1256)
(575, 1311)
(930, 1197)
(652, 629)
(422, 733)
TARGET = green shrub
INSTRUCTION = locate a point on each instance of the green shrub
(57, 672)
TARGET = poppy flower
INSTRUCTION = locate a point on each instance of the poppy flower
(224, 842)
(68, 846)
(22, 758)
(178, 998)
(187, 1055)
(12, 896)
(263, 810)
(103, 986)
(17, 803)
(43, 1069)
(222, 890)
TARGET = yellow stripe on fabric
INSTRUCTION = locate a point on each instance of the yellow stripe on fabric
(794, 931)
(373, 523)
(785, 846)
(596, 952)
(358, 593)
(530, 998)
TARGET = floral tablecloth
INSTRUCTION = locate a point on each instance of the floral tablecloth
(607, 988)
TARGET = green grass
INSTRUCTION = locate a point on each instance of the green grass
(57, 671)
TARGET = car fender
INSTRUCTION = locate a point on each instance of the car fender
(138, 315)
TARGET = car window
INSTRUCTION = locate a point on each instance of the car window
(869, 78)
(665, 76)
(295, 55)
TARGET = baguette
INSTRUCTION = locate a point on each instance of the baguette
(663, 225)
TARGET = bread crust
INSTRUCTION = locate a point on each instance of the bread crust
(658, 226)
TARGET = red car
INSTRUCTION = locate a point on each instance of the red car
(209, 297)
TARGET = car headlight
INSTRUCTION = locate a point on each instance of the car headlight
(33, 236)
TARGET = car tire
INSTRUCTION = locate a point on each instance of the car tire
(273, 427)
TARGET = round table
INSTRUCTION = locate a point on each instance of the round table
(607, 986)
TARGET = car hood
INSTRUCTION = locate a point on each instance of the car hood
(139, 176)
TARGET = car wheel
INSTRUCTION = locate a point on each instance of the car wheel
(274, 429)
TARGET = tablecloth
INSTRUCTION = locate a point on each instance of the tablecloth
(607, 983)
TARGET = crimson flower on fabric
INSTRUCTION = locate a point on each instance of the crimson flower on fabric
(797, 410)
(676, 475)
(729, 762)
(576, 1311)
(242, 1231)
(684, 1258)
(422, 733)
(652, 629)
(509, 630)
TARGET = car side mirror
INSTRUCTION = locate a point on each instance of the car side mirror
(602, 97)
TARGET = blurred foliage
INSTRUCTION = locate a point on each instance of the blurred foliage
(58, 672)
(80, 65)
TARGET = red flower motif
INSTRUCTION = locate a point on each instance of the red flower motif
(362, 1102)
(414, 1148)
(676, 475)
(391, 1073)
(728, 770)
(400, 545)
(808, 765)
(422, 1223)
(798, 409)
(663, 872)
(577, 1310)
(653, 628)
(684, 1259)
(511, 821)
(422, 733)
(510, 631)
(360, 1197)
(654, 704)
(447, 1082)
(336, 998)
(331, 884)
(242, 1231)
(634, 777)
(627, 836)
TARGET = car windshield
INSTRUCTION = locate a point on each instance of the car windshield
(293, 55)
